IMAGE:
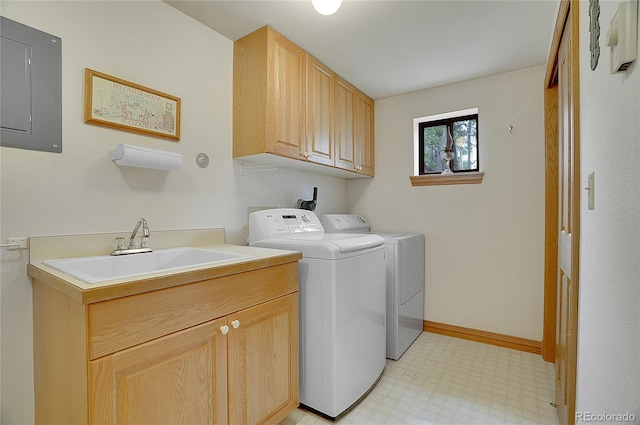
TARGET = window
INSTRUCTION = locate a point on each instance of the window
(429, 143)
(458, 135)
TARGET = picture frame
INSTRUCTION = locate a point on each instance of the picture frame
(123, 105)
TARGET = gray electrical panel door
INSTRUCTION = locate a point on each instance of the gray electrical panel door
(30, 88)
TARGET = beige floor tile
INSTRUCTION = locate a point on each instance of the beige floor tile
(442, 380)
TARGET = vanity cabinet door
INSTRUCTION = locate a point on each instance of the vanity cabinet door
(263, 362)
(177, 379)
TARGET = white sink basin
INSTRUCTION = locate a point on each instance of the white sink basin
(108, 267)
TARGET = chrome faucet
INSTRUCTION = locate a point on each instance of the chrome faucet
(119, 246)
(145, 232)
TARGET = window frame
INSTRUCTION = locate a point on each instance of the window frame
(448, 123)
(433, 179)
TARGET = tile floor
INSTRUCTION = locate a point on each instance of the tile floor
(444, 380)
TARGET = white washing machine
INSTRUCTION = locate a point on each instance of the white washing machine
(405, 279)
(342, 306)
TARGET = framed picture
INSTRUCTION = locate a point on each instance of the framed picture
(116, 103)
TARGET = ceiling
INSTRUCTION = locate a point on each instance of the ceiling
(392, 47)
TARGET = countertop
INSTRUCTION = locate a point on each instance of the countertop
(56, 247)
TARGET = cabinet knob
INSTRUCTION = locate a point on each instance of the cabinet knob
(235, 324)
(305, 155)
(224, 329)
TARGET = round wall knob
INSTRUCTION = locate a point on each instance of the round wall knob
(235, 324)
(224, 329)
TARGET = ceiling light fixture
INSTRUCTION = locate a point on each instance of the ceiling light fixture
(326, 7)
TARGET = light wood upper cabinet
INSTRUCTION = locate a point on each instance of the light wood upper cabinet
(288, 64)
(269, 95)
(363, 140)
(216, 351)
(320, 112)
(288, 104)
(344, 134)
(353, 123)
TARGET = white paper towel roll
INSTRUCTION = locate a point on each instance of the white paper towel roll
(136, 156)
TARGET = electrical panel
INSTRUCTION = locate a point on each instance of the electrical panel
(31, 86)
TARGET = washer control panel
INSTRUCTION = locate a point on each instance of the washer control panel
(282, 222)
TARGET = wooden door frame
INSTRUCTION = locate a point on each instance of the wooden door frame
(568, 12)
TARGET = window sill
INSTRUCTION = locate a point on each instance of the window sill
(440, 179)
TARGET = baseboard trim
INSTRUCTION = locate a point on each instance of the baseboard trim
(507, 341)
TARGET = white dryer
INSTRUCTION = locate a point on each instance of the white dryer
(342, 306)
(404, 275)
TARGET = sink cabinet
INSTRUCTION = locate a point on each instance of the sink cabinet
(220, 350)
(180, 378)
(289, 106)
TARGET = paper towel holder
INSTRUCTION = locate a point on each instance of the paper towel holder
(137, 156)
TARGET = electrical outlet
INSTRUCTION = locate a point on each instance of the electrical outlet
(17, 243)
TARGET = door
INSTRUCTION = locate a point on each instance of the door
(364, 134)
(263, 362)
(177, 379)
(288, 98)
(319, 112)
(344, 125)
(567, 286)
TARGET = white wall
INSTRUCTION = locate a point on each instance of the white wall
(82, 191)
(609, 298)
(484, 243)
(484, 272)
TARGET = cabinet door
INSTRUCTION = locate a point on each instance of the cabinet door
(364, 135)
(263, 362)
(288, 88)
(344, 124)
(319, 112)
(177, 379)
